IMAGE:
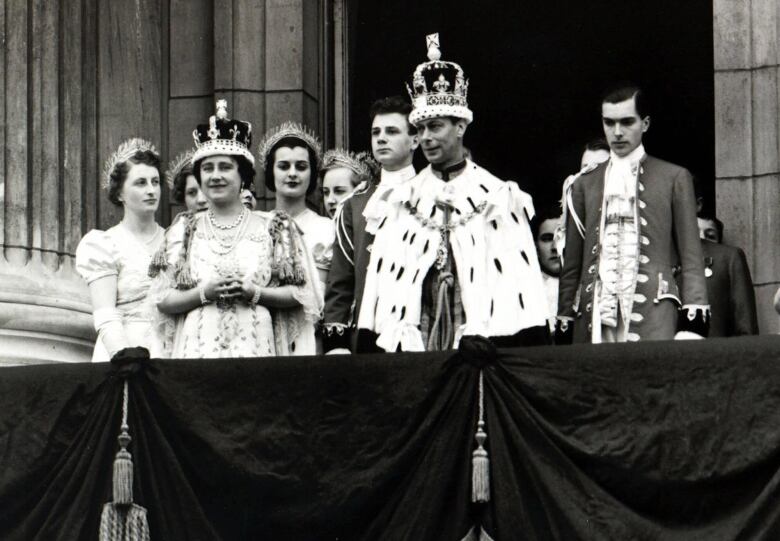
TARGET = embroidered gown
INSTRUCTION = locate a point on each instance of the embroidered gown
(118, 252)
(238, 329)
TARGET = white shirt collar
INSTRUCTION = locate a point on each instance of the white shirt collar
(391, 179)
(631, 158)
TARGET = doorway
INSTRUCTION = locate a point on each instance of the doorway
(537, 71)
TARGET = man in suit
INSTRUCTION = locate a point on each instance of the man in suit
(545, 226)
(729, 284)
(639, 222)
(393, 142)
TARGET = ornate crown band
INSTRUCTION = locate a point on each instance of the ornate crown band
(287, 129)
(124, 152)
(176, 166)
(360, 164)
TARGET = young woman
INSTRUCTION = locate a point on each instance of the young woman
(115, 262)
(290, 156)
(185, 189)
(342, 171)
(234, 283)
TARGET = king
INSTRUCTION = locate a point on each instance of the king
(453, 253)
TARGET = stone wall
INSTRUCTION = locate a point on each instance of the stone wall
(747, 62)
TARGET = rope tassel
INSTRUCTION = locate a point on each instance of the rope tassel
(480, 462)
(121, 519)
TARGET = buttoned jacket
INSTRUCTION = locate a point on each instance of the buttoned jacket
(347, 274)
(730, 290)
(668, 245)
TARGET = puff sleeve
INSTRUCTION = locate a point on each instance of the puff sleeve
(96, 256)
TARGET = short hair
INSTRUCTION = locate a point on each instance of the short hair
(120, 171)
(180, 184)
(392, 104)
(245, 169)
(548, 212)
(291, 142)
(625, 91)
(704, 215)
(595, 145)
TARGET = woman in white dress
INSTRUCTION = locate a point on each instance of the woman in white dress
(233, 283)
(115, 262)
(290, 157)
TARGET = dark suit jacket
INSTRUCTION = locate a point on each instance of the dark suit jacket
(669, 239)
(345, 281)
(730, 289)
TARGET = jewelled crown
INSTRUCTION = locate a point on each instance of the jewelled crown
(223, 136)
(124, 152)
(287, 129)
(362, 164)
(177, 164)
(438, 87)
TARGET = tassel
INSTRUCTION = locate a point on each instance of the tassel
(122, 520)
(184, 278)
(159, 261)
(480, 463)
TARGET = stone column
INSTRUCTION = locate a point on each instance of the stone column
(45, 313)
(747, 122)
(78, 77)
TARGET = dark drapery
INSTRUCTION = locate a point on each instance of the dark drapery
(652, 441)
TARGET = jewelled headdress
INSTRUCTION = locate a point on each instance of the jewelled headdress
(223, 136)
(124, 152)
(176, 165)
(439, 88)
(288, 129)
(362, 164)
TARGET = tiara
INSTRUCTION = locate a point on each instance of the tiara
(360, 164)
(287, 129)
(176, 165)
(125, 151)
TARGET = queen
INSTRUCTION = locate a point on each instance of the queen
(230, 282)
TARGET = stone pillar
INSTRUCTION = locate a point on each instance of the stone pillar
(747, 122)
(78, 77)
(45, 313)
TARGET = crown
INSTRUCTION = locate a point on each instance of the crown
(287, 129)
(176, 165)
(223, 136)
(125, 151)
(438, 87)
(360, 164)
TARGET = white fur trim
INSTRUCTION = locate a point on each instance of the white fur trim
(222, 147)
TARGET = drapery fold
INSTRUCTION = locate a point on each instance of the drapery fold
(656, 441)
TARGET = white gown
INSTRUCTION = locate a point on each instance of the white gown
(118, 252)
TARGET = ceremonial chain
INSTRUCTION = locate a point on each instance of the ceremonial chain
(225, 247)
(444, 229)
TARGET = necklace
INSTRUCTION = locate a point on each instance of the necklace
(221, 246)
(225, 227)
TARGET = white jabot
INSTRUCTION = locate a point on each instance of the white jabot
(622, 173)
(388, 180)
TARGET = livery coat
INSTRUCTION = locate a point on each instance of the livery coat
(730, 290)
(347, 274)
(668, 240)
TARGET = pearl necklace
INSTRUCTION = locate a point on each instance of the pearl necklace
(225, 227)
(225, 246)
